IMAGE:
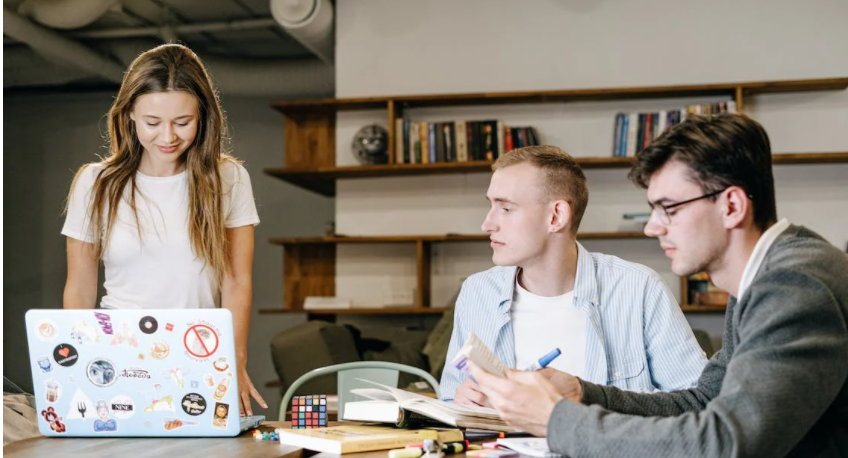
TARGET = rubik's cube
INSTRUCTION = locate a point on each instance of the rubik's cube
(309, 411)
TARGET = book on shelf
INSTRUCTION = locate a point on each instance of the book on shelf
(387, 405)
(633, 132)
(325, 303)
(362, 438)
(418, 142)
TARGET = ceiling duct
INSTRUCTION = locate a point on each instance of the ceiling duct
(310, 22)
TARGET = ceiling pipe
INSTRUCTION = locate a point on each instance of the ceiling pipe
(310, 22)
(53, 46)
(179, 29)
(65, 14)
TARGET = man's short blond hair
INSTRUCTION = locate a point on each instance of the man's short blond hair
(563, 177)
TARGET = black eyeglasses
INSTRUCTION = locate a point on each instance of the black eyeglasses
(665, 217)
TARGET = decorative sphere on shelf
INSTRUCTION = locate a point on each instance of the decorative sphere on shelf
(370, 145)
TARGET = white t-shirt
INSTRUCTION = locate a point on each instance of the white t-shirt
(540, 324)
(161, 270)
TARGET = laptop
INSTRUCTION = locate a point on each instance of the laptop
(138, 373)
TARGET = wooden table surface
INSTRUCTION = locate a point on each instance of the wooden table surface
(242, 446)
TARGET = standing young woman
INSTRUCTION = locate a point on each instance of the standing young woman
(169, 212)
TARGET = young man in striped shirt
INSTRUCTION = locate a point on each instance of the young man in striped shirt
(615, 321)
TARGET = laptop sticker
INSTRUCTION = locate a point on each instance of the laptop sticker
(52, 390)
(81, 408)
(223, 386)
(122, 407)
(165, 404)
(53, 420)
(201, 341)
(159, 349)
(209, 381)
(194, 404)
(125, 336)
(195, 384)
(135, 373)
(169, 327)
(221, 364)
(84, 333)
(176, 375)
(44, 364)
(148, 325)
(101, 372)
(105, 322)
(65, 355)
(172, 423)
(46, 330)
(103, 423)
(219, 419)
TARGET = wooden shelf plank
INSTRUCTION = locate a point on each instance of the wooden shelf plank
(362, 311)
(703, 308)
(810, 158)
(615, 93)
(431, 238)
(323, 182)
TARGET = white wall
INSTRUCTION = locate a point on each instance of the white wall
(48, 136)
(390, 47)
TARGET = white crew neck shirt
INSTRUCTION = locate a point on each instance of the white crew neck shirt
(541, 324)
(160, 270)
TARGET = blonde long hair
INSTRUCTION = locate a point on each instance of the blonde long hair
(170, 67)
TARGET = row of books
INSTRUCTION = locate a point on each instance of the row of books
(457, 141)
(635, 131)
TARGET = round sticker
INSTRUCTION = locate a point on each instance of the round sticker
(122, 407)
(194, 404)
(201, 341)
(46, 330)
(65, 355)
(159, 349)
(148, 325)
(101, 372)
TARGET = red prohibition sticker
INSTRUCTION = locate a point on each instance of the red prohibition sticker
(201, 341)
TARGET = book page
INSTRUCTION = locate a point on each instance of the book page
(374, 393)
(447, 412)
(529, 446)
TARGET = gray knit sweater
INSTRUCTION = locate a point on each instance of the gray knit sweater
(778, 387)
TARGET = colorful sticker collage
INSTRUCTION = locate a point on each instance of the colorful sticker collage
(144, 351)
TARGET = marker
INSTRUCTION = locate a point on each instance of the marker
(544, 360)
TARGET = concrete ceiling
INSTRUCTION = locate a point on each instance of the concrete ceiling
(261, 42)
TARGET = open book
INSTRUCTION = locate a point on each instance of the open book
(393, 405)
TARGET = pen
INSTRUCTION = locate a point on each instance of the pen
(544, 360)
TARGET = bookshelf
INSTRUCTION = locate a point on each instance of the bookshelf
(309, 269)
(310, 163)
(323, 180)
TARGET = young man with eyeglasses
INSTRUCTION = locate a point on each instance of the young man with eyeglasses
(779, 386)
(616, 322)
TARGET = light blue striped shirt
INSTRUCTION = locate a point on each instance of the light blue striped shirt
(637, 336)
